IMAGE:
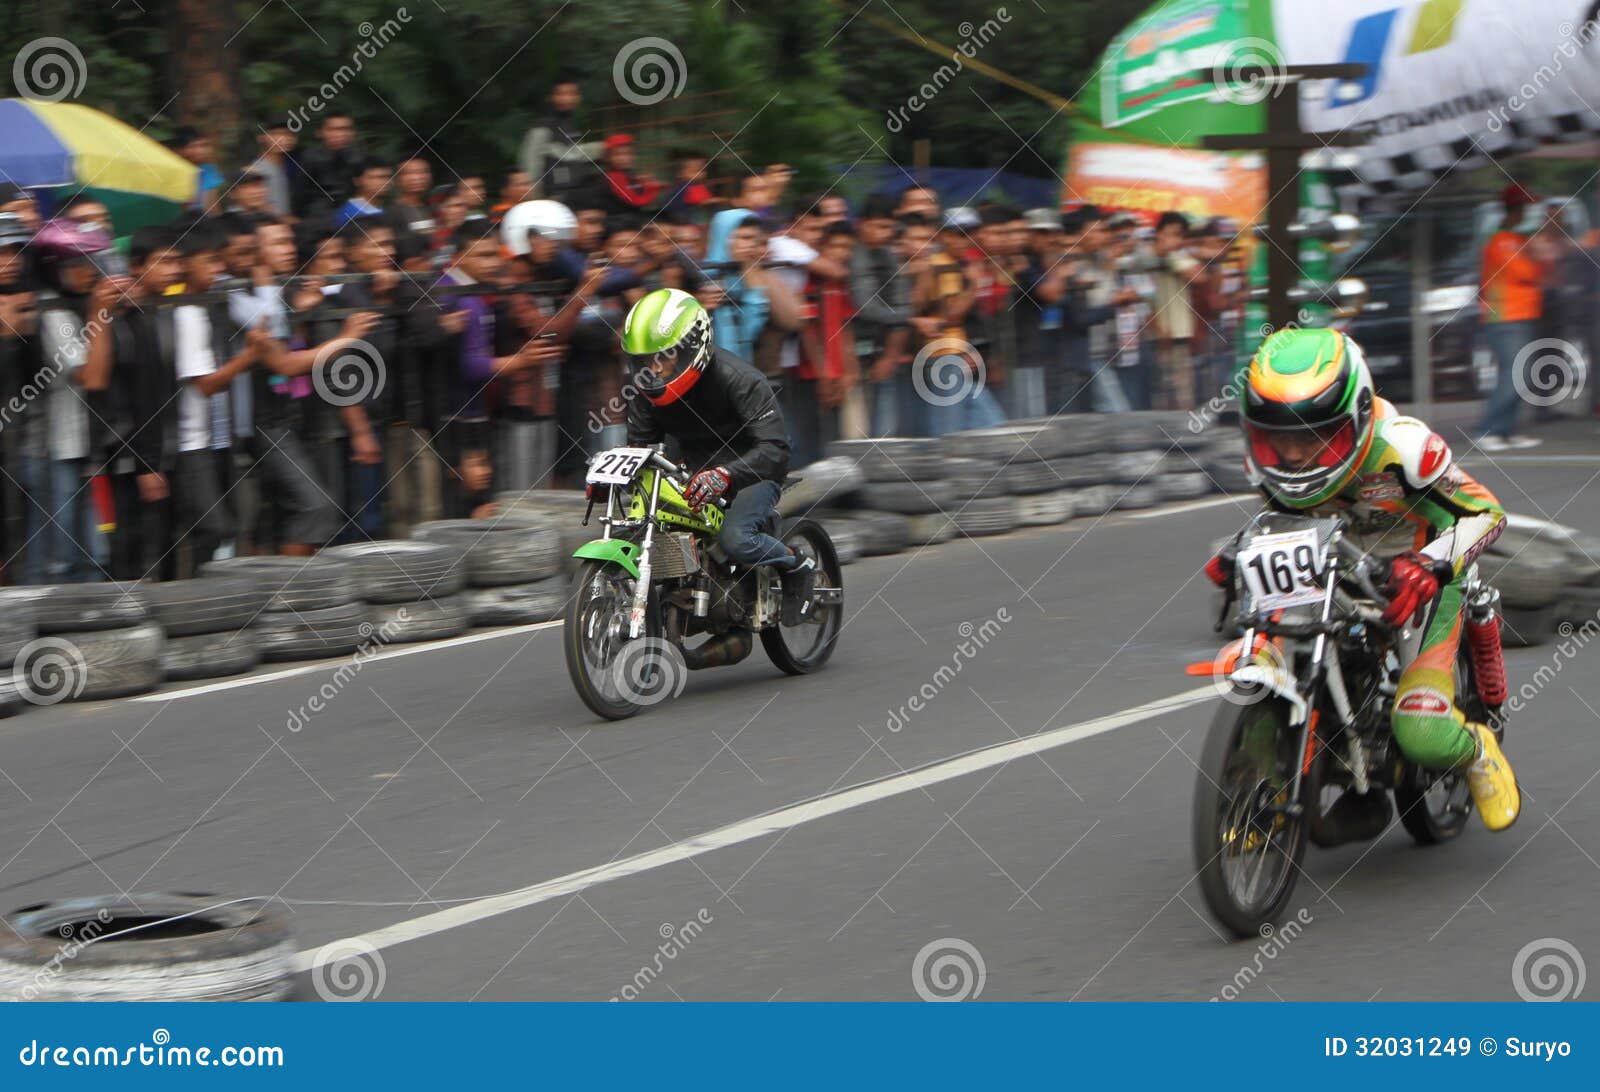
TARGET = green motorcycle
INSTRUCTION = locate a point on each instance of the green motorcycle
(657, 578)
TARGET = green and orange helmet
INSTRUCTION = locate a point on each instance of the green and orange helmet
(1307, 412)
(667, 336)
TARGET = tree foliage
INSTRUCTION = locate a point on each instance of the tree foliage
(809, 82)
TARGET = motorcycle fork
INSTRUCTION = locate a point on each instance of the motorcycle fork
(641, 591)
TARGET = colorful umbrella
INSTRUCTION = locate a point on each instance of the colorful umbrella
(62, 144)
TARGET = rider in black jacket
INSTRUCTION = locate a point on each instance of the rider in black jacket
(731, 434)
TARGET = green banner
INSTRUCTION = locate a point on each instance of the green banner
(1159, 60)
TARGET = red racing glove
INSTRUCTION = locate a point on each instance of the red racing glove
(1219, 570)
(707, 486)
(1411, 587)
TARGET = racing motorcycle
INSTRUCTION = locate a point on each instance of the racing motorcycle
(1309, 689)
(657, 578)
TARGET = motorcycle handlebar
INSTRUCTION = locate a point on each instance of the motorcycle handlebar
(678, 475)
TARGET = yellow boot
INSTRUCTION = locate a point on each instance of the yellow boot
(1493, 785)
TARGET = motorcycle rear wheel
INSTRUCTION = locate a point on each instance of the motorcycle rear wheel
(802, 649)
(1249, 836)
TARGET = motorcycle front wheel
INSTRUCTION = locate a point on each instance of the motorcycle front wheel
(1249, 836)
(616, 677)
(802, 649)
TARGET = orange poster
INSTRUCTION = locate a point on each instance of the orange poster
(1150, 179)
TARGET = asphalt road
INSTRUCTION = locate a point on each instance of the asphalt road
(436, 780)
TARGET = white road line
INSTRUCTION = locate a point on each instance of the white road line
(761, 826)
(333, 664)
(1191, 506)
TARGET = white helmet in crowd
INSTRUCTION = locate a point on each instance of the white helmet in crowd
(551, 219)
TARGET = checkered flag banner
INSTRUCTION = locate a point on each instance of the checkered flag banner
(1450, 85)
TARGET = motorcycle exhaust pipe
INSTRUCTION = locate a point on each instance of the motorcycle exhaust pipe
(722, 651)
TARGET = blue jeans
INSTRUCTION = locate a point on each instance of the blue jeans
(1506, 340)
(64, 541)
(747, 528)
(890, 416)
(977, 408)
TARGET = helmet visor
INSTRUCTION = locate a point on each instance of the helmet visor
(1292, 451)
(652, 372)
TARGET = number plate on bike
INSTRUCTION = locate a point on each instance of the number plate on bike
(1282, 570)
(619, 466)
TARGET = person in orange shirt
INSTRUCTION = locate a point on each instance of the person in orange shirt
(1512, 299)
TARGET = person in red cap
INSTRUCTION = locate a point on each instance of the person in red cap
(628, 190)
(1512, 298)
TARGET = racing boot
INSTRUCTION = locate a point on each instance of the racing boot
(1493, 784)
(799, 585)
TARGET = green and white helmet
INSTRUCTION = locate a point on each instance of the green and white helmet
(667, 337)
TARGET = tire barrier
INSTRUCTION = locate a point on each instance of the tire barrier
(91, 665)
(420, 620)
(206, 604)
(819, 484)
(312, 634)
(908, 498)
(148, 947)
(19, 625)
(1135, 497)
(930, 530)
(993, 516)
(403, 572)
(77, 608)
(848, 539)
(505, 550)
(517, 604)
(293, 583)
(887, 460)
(209, 655)
(1045, 509)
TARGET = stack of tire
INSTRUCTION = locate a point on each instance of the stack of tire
(1548, 575)
(18, 629)
(93, 641)
(411, 588)
(312, 606)
(560, 509)
(899, 490)
(513, 564)
(207, 625)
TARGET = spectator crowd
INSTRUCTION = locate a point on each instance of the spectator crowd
(333, 345)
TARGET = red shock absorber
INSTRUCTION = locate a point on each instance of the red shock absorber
(1488, 665)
